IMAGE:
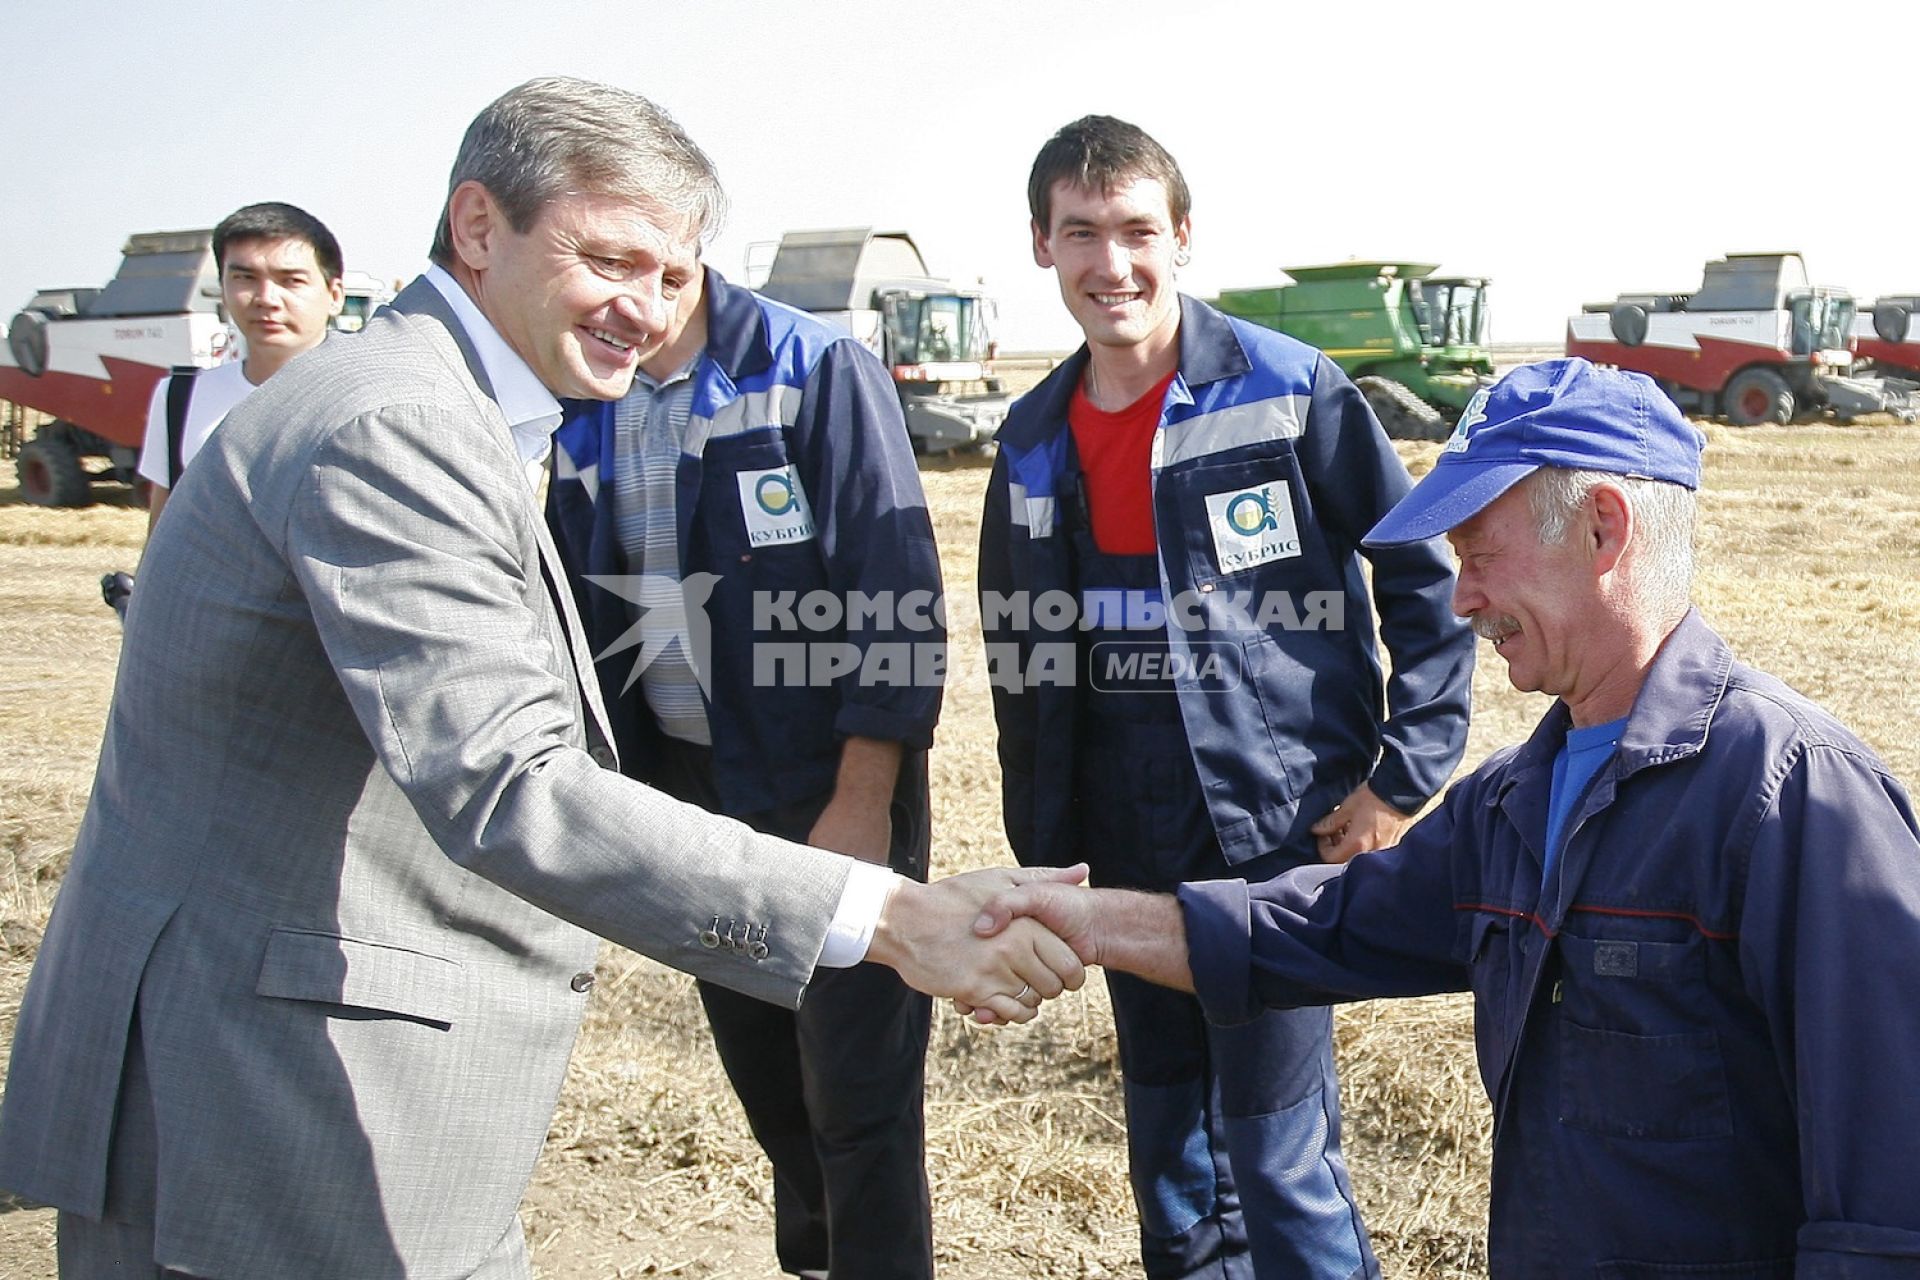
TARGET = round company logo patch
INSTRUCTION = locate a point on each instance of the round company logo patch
(773, 504)
(774, 493)
(1251, 512)
(1252, 526)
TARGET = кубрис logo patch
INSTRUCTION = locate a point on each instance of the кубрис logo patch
(775, 507)
(1252, 526)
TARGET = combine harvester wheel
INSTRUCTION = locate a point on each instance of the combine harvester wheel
(51, 474)
(1754, 396)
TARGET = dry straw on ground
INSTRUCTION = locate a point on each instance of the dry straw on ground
(1810, 560)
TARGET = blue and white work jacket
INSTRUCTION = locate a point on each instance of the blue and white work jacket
(1267, 470)
(783, 404)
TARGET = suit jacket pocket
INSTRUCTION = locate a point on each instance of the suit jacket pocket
(372, 977)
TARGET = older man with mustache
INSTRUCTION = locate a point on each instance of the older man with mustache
(1688, 906)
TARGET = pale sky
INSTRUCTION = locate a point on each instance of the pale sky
(1568, 152)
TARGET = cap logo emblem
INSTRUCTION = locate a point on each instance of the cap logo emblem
(1474, 414)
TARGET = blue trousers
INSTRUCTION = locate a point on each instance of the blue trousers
(1233, 1132)
(1233, 1141)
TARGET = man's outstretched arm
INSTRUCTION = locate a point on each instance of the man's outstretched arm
(1383, 925)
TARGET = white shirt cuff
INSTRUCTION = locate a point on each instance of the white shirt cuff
(868, 887)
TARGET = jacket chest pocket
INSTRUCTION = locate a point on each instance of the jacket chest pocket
(1246, 524)
(1638, 1056)
(1764, 1269)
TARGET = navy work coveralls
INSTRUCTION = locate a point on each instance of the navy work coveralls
(834, 1091)
(1699, 1036)
(1258, 724)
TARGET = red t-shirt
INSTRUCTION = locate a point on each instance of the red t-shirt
(1116, 452)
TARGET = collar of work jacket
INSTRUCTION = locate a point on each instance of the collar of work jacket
(1209, 351)
(736, 335)
(1670, 720)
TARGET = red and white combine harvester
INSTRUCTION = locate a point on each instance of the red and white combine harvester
(1755, 343)
(89, 358)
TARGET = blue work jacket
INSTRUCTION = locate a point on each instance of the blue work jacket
(780, 399)
(1268, 468)
(1700, 1037)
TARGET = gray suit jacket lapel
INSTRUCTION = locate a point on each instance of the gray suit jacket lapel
(422, 299)
(599, 729)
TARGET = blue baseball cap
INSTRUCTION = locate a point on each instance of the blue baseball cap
(1557, 413)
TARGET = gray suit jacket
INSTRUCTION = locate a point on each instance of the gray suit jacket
(347, 846)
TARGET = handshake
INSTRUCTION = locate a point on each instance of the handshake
(999, 942)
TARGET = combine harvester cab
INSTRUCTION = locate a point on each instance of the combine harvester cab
(1414, 343)
(90, 358)
(1756, 343)
(935, 339)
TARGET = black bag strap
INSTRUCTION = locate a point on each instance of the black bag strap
(179, 396)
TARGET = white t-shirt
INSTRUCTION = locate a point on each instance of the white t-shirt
(215, 391)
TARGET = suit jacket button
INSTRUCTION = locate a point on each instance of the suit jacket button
(602, 756)
(582, 982)
(709, 938)
(757, 950)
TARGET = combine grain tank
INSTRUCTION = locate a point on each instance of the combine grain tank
(1886, 335)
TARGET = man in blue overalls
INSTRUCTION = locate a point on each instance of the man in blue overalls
(1213, 703)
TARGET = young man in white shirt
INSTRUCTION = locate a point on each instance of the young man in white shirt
(280, 281)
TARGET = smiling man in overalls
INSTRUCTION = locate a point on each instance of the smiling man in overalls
(1213, 704)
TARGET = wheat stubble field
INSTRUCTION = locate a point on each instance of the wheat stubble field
(1810, 559)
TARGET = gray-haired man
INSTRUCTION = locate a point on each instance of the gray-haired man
(307, 996)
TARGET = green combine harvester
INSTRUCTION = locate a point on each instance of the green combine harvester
(1414, 343)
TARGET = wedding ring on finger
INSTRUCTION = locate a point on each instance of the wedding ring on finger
(1020, 996)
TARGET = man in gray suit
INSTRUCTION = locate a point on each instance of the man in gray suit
(307, 996)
